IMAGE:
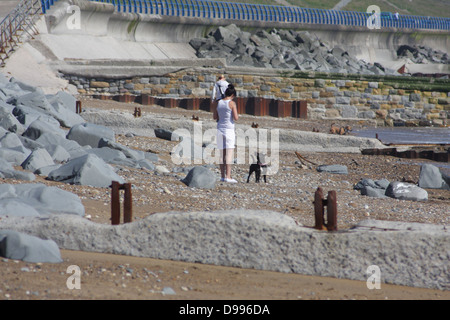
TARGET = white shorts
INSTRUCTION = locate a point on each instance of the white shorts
(226, 139)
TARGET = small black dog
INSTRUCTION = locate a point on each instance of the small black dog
(258, 168)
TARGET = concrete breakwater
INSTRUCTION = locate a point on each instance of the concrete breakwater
(409, 254)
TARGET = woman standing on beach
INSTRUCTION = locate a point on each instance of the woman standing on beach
(225, 115)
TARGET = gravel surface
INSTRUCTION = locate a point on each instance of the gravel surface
(290, 191)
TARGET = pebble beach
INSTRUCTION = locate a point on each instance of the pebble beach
(290, 191)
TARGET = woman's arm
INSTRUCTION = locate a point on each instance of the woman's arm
(234, 110)
(215, 114)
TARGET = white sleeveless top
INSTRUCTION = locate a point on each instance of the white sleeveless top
(226, 121)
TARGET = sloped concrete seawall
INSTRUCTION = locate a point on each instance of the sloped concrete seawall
(408, 254)
(116, 53)
(100, 19)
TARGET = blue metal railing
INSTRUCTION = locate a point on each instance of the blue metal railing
(267, 13)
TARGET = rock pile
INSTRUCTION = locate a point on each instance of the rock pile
(284, 49)
(430, 177)
(395, 189)
(33, 135)
(45, 136)
(423, 54)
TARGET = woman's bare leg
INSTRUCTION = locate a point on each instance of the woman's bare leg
(222, 163)
(228, 158)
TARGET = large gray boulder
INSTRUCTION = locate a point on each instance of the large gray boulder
(11, 90)
(431, 177)
(406, 191)
(39, 127)
(107, 154)
(11, 140)
(227, 35)
(56, 106)
(29, 143)
(112, 156)
(128, 152)
(64, 109)
(36, 100)
(9, 122)
(371, 188)
(90, 134)
(17, 208)
(66, 100)
(12, 149)
(58, 153)
(26, 115)
(7, 171)
(12, 156)
(43, 199)
(45, 171)
(50, 140)
(166, 134)
(146, 164)
(20, 246)
(3, 131)
(86, 170)
(37, 159)
(200, 177)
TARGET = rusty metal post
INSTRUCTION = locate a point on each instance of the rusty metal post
(331, 211)
(319, 209)
(127, 204)
(115, 203)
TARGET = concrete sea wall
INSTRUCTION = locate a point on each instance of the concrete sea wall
(116, 53)
(100, 19)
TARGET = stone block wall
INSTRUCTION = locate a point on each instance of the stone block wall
(348, 99)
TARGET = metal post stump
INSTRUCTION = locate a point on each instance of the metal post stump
(115, 203)
(319, 210)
